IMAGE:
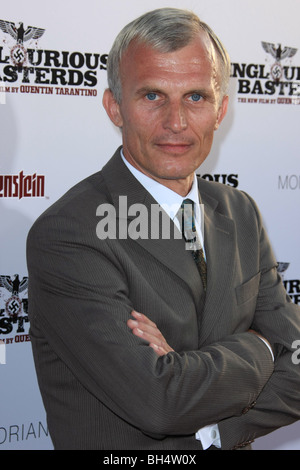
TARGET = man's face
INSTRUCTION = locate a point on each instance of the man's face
(169, 110)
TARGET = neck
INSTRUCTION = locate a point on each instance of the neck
(180, 186)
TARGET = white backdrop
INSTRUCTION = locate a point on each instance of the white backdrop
(55, 132)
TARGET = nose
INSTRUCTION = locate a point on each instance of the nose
(175, 117)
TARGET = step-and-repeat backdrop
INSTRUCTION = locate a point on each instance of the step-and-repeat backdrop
(54, 132)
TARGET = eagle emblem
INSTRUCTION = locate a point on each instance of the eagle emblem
(15, 286)
(13, 305)
(279, 54)
(20, 35)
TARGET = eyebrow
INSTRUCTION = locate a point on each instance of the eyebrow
(148, 89)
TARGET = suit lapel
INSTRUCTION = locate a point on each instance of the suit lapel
(219, 240)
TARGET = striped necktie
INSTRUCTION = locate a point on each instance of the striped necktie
(188, 228)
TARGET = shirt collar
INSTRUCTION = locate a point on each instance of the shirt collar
(169, 200)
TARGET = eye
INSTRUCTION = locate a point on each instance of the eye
(195, 97)
(151, 96)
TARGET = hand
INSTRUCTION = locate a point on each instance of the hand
(144, 328)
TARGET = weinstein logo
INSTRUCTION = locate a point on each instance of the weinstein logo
(20, 185)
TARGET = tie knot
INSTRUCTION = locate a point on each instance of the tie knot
(188, 220)
(187, 202)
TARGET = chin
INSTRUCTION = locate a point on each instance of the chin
(176, 171)
(174, 175)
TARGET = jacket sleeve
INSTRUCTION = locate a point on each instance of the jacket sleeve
(79, 303)
(277, 318)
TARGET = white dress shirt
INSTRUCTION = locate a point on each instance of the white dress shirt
(171, 203)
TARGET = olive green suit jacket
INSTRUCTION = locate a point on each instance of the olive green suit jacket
(103, 387)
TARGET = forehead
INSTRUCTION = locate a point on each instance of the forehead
(196, 61)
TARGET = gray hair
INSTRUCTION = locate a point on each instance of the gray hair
(167, 30)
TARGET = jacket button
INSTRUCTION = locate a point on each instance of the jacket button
(247, 408)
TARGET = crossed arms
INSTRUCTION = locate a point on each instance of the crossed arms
(87, 301)
(146, 329)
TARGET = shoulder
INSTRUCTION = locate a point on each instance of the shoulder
(78, 198)
(228, 200)
(82, 200)
(75, 211)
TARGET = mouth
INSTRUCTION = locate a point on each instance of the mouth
(175, 148)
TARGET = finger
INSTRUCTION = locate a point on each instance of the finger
(140, 317)
(145, 324)
(159, 345)
(159, 351)
(144, 328)
(148, 333)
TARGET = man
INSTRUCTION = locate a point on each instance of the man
(135, 348)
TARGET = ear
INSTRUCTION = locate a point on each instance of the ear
(112, 108)
(222, 111)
